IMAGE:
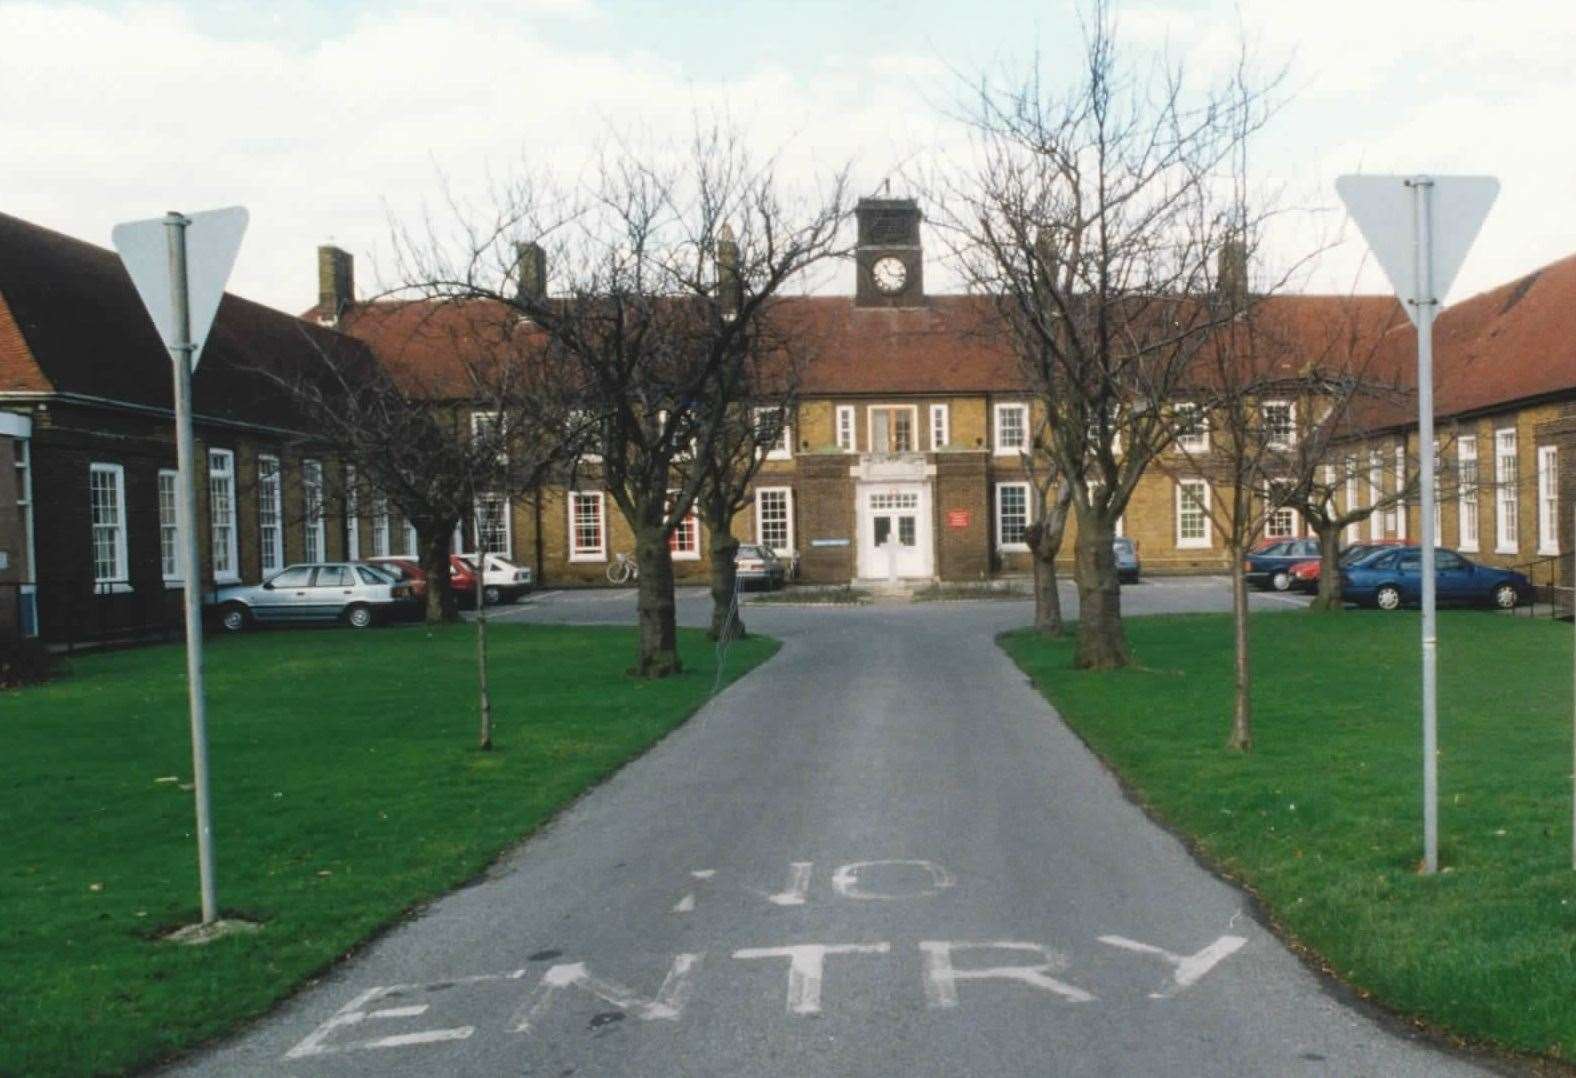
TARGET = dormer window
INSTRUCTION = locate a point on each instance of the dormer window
(892, 428)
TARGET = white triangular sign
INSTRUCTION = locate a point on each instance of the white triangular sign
(1385, 213)
(213, 238)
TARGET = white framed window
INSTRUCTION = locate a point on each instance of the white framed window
(1012, 429)
(893, 428)
(1012, 516)
(270, 514)
(1192, 508)
(847, 437)
(312, 510)
(1548, 500)
(774, 518)
(1375, 494)
(493, 526)
(1507, 526)
(352, 516)
(940, 426)
(1192, 428)
(1467, 493)
(221, 506)
(486, 428)
(169, 526)
(1398, 511)
(1280, 423)
(380, 525)
(412, 541)
(107, 496)
(1280, 521)
(684, 539)
(774, 433)
(587, 526)
(1354, 530)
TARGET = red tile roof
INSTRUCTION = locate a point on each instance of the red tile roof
(71, 322)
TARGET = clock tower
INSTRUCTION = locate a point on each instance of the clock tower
(889, 265)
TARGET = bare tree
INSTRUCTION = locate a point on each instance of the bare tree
(1095, 217)
(637, 318)
(1053, 498)
(459, 414)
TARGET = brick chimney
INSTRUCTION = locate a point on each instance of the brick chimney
(1231, 279)
(336, 283)
(729, 288)
(530, 271)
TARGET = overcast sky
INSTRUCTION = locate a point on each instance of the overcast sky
(329, 118)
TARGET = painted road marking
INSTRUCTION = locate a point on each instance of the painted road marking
(668, 1004)
(845, 881)
(806, 964)
(1188, 969)
(355, 1012)
(798, 885)
(942, 977)
(687, 903)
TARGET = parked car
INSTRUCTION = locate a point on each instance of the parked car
(1305, 574)
(1268, 565)
(1390, 579)
(353, 592)
(502, 580)
(1127, 567)
(759, 565)
(462, 577)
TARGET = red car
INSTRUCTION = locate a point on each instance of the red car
(1305, 574)
(462, 578)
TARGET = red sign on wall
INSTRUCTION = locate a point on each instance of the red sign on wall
(957, 518)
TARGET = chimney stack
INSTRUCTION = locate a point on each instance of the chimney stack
(530, 268)
(336, 282)
(1232, 276)
(730, 293)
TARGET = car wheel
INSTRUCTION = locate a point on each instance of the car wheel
(1281, 581)
(235, 618)
(492, 596)
(1388, 597)
(1505, 597)
(359, 617)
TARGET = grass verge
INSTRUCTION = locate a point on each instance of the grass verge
(1323, 820)
(346, 790)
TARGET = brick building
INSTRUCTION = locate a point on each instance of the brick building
(901, 458)
(87, 450)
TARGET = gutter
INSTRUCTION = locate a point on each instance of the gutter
(88, 400)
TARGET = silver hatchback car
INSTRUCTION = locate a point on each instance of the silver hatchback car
(357, 594)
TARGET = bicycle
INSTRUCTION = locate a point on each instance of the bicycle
(622, 570)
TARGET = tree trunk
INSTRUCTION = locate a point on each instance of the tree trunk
(1045, 540)
(440, 605)
(726, 623)
(1241, 737)
(659, 652)
(484, 698)
(1102, 644)
(1329, 599)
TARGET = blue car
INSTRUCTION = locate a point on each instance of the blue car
(1389, 578)
(1269, 564)
(1126, 554)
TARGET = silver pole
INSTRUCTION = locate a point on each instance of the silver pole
(186, 516)
(1573, 691)
(1423, 296)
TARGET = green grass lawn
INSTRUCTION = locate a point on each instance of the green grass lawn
(345, 788)
(1324, 821)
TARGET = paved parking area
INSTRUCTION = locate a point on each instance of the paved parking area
(879, 854)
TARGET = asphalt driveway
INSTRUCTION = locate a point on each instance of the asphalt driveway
(880, 854)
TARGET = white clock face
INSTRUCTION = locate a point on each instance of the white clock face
(889, 274)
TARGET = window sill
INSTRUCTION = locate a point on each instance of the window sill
(174, 585)
(111, 587)
(1467, 548)
(1013, 548)
(1013, 452)
(679, 555)
(1548, 552)
(1506, 549)
(588, 557)
(235, 578)
(778, 454)
(1194, 544)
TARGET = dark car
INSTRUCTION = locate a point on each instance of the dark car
(1126, 553)
(1305, 574)
(1269, 565)
(1390, 579)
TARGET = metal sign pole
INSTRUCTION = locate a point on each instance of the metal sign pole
(1423, 297)
(186, 509)
(1573, 692)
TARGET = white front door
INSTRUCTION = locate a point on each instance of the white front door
(894, 532)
